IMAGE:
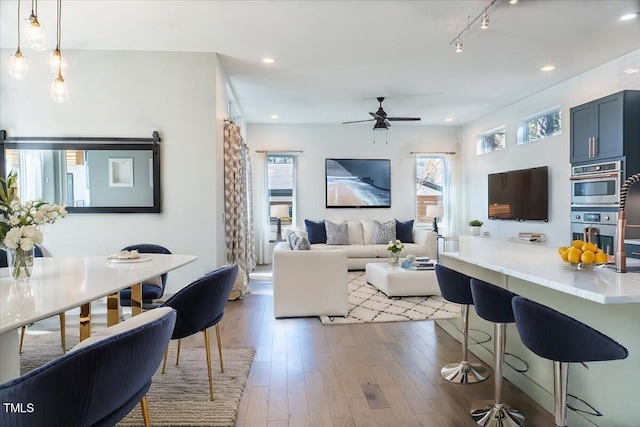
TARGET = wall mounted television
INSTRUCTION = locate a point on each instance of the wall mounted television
(358, 183)
(519, 194)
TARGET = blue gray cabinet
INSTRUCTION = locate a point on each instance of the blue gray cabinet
(606, 128)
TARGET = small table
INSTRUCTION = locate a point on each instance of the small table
(396, 281)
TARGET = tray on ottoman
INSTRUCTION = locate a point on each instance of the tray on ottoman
(396, 281)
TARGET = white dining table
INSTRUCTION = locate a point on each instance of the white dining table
(58, 284)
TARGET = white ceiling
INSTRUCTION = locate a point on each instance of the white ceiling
(335, 57)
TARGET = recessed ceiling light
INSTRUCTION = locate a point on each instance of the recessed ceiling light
(274, 116)
(548, 68)
(268, 60)
(513, 1)
(629, 16)
(630, 70)
(448, 119)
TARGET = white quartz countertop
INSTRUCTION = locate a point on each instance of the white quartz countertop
(541, 264)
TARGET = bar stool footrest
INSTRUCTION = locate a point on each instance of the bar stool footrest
(464, 373)
(489, 414)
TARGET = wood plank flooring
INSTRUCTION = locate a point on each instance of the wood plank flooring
(385, 374)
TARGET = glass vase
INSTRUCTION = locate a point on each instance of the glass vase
(393, 258)
(20, 263)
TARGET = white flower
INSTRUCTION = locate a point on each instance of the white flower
(13, 220)
(26, 244)
(12, 239)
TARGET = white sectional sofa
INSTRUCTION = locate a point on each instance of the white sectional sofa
(360, 251)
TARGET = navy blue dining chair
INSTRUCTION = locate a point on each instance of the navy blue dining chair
(98, 382)
(151, 289)
(201, 305)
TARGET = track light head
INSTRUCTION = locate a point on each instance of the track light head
(485, 21)
(458, 45)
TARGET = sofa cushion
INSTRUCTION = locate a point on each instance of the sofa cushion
(383, 232)
(316, 231)
(355, 233)
(367, 231)
(409, 248)
(337, 234)
(301, 244)
(404, 231)
(353, 251)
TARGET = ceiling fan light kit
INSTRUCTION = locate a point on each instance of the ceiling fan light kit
(382, 119)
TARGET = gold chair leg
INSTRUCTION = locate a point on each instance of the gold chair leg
(164, 364)
(208, 349)
(178, 354)
(63, 331)
(145, 411)
(219, 347)
(24, 329)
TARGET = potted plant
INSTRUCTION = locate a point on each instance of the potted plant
(474, 226)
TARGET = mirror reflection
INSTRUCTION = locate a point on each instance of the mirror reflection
(87, 179)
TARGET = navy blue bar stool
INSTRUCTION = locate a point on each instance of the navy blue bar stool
(562, 339)
(455, 287)
(493, 303)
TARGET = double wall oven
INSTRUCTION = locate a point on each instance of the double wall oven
(595, 198)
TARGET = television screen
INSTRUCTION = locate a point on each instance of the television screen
(358, 183)
(520, 194)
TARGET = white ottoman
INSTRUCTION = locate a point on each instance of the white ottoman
(396, 281)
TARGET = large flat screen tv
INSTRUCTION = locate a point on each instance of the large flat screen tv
(520, 194)
(358, 183)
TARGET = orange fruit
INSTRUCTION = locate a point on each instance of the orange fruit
(574, 255)
(578, 244)
(599, 251)
(588, 257)
(589, 247)
(601, 258)
(561, 250)
(565, 255)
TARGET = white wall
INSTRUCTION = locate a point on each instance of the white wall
(319, 142)
(131, 94)
(553, 152)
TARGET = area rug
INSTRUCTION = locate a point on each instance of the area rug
(181, 396)
(367, 304)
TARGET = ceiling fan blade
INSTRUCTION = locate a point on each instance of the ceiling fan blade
(358, 121)
(377, 116)
(404, 119)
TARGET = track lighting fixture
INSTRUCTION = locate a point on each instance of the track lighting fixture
(458, 45)
(34, 32)
(485, 21)
(18, 67)
(484, 25)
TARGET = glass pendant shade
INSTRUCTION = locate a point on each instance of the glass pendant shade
(34, 33)
(59, 91)
(54, 62)
(18, 67)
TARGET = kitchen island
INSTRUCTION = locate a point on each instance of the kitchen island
(603, 299)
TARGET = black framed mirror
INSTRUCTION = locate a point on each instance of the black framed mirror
(88, 175)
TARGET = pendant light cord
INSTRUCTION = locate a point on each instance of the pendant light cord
(59, 32)
(18, 25)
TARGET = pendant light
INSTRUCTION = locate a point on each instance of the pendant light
(18, 67)
(57, 62)
(59, 91)
(34, 32)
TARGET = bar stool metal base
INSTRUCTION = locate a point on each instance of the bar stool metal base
(464, 373)
(489, 414)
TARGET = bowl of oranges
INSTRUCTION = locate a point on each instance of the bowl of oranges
(582, 255)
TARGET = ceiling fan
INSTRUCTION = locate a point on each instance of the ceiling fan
(382, 120)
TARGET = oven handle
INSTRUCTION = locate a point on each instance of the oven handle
(615, 174)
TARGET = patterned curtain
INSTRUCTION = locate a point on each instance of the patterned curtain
(238, 206)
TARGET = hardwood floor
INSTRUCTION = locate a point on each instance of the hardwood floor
(385, 374)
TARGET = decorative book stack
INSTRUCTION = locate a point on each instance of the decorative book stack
(422, 263)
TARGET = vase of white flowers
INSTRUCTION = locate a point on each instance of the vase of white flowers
(394, 249)
(19, 223)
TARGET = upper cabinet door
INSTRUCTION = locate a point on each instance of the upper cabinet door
(610, 126)
(583, 129)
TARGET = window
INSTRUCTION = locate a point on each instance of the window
(539, 126)
(280, 185)
(430, 178)
(491, 141)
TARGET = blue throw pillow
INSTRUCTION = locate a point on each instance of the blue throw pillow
(404, 231)
(316, 231)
